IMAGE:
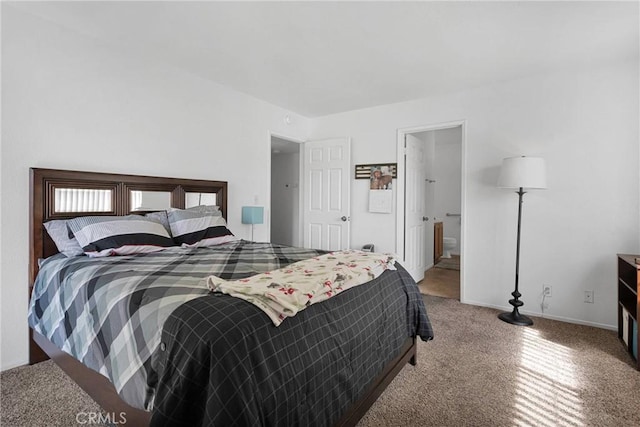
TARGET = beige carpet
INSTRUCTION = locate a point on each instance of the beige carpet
(441, 282)
(479, 371)
(42, 395)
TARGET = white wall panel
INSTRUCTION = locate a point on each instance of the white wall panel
(335, 190)
(316, 183)
(315, 236)
(334, 237)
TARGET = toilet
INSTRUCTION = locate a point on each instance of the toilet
(448, 244)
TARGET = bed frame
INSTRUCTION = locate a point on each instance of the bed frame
(43, 183)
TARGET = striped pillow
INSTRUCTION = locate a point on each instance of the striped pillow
(119, 235)
(161, 217)
(66, 243)
(200, 209)
(193, 229)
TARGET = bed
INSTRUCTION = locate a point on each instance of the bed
(217, 360)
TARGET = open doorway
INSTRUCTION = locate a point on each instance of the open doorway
(285, 191)
(431, 221)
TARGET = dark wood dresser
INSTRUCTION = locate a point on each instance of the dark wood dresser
(629, 303)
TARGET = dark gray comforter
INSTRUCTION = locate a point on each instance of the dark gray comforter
(211, 359)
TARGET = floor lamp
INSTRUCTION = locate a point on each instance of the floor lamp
(252, 215)
(521, 173)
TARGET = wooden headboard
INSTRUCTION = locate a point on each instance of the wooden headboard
(44, 182)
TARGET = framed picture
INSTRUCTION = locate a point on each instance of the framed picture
(367, 171)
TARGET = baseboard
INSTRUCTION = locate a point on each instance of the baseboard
(545, 316)
(578, 321)
(13, 364)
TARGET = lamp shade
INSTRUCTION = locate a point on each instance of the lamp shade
(523, 172)
(252, 214)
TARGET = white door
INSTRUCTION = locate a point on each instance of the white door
(326, 207)
(416, 219)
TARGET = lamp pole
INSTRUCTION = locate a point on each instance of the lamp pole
(515, 317)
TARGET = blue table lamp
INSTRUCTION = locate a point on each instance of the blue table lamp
(252, 215)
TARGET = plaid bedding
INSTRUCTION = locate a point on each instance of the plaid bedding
(149, 324)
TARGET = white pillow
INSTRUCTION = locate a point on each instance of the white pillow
(63, 238)
(212, 209)
(161, 217)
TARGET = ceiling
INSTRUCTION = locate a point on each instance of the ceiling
(319, 58)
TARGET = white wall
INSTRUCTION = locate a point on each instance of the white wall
(72, 102)
(448, 187)
(585, 124)
(285, 198)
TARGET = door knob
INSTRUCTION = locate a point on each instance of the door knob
(425, 218)
(344, 218)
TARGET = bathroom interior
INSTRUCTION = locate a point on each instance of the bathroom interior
(444, 190)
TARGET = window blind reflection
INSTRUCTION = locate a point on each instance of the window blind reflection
(82, 200)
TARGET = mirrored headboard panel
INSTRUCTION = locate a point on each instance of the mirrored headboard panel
(83, 200)
(146, 200)
(63, 194)
(198, 199)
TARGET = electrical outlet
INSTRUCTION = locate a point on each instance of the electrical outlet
(546, 290)
(588, 297)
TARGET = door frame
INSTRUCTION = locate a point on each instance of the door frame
(267, 219)
(400, 185)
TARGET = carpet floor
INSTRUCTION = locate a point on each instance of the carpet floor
(478, 371)
(440, 282)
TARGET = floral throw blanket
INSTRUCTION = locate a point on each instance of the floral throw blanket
(283, 293)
